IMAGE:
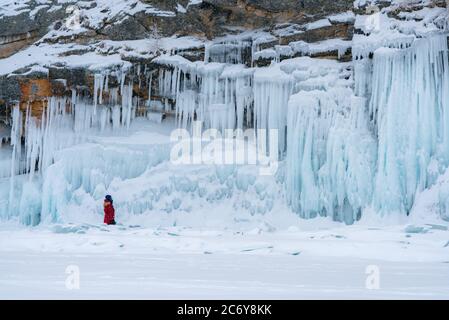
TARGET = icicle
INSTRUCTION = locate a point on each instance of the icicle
(228, 51)
(185, 108)
(244, 100)
(272, 89)
(362, 77)
(335, 167)
(99, 82)
(104, 118)
(127, 105)
(206, 53)
(150, 81)
(16, 134)
(106, 83)
(121, 79)
(138, 75)
(330, 155)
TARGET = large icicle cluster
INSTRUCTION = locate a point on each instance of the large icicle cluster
(114, 112)
(218, 95)
(409, 108)
(63, 123)
(329, 150)
(226, 96)
(231, 51)
(378, 147)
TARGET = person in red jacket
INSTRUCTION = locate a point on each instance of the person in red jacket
(109, 212)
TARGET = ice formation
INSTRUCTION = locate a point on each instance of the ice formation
(409, 112)
(218, 95)
(304, 48)
(230, 51)
(346, 154)
(272, 89)
(64, 122)
(368, 134)
(330, 152)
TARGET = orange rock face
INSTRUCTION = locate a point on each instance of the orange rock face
(34, 94)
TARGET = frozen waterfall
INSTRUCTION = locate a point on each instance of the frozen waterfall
(64, 122)
(369, 134)
(377, 148)
(409, 108)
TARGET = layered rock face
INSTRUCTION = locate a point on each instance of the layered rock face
(302, 25)
(23, 23)
(209, 18)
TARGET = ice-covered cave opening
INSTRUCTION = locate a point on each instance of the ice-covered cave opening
(367, 134)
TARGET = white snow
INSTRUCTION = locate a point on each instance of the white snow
(265, 54)
(100, 55)
(180, 8)
(382, 31)
(343, 17)
(339, 45)
(46, 55)
(97, 12)
(13, 7)
(426, 14)
(318, 24)
(143, 262)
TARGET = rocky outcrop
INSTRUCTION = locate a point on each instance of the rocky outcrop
(214, 18)
(209, 18)
(283, 23)
(261, 13)
(21, 30)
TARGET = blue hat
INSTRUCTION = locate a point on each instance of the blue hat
(108, 198)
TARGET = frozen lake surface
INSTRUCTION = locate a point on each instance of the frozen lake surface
(182, 263)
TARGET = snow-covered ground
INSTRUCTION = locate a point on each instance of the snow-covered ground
(208, 232)
(189, 263)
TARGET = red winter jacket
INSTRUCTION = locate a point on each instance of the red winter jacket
(109, 214)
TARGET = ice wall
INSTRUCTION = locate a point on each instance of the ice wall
(409, 108)
(358, 135)
(83, 174)
(372, 144)
(329, 155)
(37, 140)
